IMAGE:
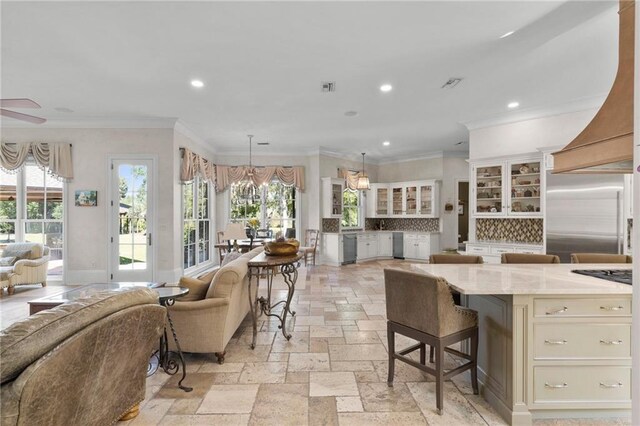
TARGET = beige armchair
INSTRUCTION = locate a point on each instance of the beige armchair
(23, 263)
(206, 325)
(81, 363)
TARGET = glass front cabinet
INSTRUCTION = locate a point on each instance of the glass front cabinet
(403, 199)
(332, 197)
(509, 188)
(378, 200)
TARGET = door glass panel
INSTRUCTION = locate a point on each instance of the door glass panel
(489, 189)
(425, 199)
(132, 247)
(411, 200)
(382, 201)
(33, 232)
(396, 193)
(525, 187)
(8, 207)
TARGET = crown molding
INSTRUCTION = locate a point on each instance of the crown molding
(182, 128)
(95, 123)
(577, 105)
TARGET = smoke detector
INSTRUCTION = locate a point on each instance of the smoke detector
(451, 83)
(328, 86)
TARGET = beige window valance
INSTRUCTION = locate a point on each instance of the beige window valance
(228, 175)
(195, 165)
(56, 157)
(350, 178)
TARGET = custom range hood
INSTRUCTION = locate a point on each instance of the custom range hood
(606, 144)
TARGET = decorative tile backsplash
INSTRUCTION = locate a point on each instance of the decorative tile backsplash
(511, 230)
(330, 225)
(400, 224)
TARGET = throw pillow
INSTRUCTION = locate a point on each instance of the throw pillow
(197, 289)
(230, 257)
(8, 261)
(208, 277)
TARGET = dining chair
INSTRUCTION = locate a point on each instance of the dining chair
(222, 251)
(420, 306)
(600, 258)
(310, 245)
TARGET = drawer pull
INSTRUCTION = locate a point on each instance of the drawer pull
(608, 386)
(611, 308)
(611, 342)
(560, 386)
(558, 311)
(556, 342)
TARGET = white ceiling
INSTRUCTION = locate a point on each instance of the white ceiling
(263, 62)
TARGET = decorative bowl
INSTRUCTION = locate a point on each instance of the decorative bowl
(285, 248)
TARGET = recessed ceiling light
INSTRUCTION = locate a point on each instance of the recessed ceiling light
(507, 34)
(197, 83)
(351, 113)
(386, 143)
(513, 105)
(386, 88)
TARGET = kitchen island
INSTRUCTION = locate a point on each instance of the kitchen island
(553, 343)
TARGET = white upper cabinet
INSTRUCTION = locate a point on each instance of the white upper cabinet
(513, 188)
(332, 197)
(404, 199)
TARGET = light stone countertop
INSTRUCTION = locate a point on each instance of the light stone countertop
(526, 279)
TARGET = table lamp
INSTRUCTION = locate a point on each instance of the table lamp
(235, 232)
(290, 233)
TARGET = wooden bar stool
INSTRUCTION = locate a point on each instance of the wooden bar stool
(420, 306)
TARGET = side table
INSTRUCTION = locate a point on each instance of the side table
(264, 265)
(165, 358)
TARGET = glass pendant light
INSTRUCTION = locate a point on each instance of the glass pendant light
(363, 179)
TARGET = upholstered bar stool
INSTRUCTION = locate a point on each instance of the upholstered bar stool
(529, 258)
(600, 258)
(420, 306)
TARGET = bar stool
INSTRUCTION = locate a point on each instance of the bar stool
(442, 259)
(529, 258)
(600, 258)
(420, 306)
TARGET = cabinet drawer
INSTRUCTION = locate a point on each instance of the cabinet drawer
(581, 384)
(581, 341)
(605, 307)
(500, 250)
(526, 250)
(477, 249)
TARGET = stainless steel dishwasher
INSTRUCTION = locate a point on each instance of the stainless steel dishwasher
(349, 248)
(398, 245)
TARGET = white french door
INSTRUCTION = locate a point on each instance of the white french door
(131, 220)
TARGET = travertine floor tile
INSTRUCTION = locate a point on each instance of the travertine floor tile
(281, 404)
(322, 411)
(332, 384)
(359, 337)
(381, 397)
(325, 331)
(371, 419)
(263, 372)
(299, 343)
(366, 325)
(207, 420)
(309, 362)
(456, 409)
(229, 399)
(357, 352)
(349, 404)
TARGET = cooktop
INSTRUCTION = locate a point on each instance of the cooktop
(618, 275)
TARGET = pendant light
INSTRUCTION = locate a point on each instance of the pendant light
(248, 191)
(363, 179)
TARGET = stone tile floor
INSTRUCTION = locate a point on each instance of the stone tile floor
(332, 371)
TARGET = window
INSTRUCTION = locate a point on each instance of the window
(273, 207)
(350, 208)
(197, 223)
(32, 210)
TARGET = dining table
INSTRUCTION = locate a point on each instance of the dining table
(245, 245)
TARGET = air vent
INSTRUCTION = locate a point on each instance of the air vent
(451, 83)
(263, 143)
(328, 86)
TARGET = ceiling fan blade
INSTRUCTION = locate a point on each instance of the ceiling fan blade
(18, 103)
(20, 116)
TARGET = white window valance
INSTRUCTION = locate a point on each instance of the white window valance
(56, 157)
(228, 175)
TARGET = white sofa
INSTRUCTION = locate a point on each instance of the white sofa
(24, 263)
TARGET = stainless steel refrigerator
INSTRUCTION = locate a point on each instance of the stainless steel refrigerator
(584, 214)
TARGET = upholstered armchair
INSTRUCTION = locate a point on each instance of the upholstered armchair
(81, 363)
(206, 323)
(23, 263)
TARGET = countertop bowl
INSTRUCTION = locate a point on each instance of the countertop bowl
(285, 248)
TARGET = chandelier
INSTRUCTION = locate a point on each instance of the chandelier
(363, 179)
(248, 191)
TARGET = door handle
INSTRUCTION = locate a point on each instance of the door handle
(148, 238)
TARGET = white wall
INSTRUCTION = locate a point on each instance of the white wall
(527, 136)
(431, 168)
(86, 232)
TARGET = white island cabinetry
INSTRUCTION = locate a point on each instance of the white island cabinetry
(552, 343)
